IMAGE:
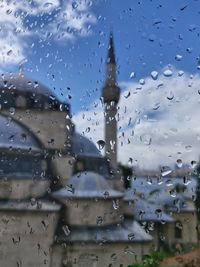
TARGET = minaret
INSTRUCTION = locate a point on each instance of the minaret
(111, 95)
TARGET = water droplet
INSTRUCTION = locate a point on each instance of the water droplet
(156, 106)
(152, 37)
(146, 139)
(106, 194)
(9, 53)
(193, 164)
(39, 205)
(47, 4)
(142, 81)
(170, 95)
(116, 204)
(165, 170)
(87, 130)
(158, 212)
(178, 57)
(130, 161)
(132, 75)
(188, 148)
(131, 236)
(66, 230)
(167, 73)
(172, 193)
(33, 201)
(74, 5)
(180, 73)
(101, 144)
(186, 180)
(12, 111)
(179, 163)
(169, 183)
(129, 93)
(114, 257)
(99, 220)
(154, 75)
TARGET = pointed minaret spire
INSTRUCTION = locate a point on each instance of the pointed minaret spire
(111, 95)
(111, 51)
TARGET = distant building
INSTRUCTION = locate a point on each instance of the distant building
(61, 202)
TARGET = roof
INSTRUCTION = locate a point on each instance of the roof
(36, 94)
(15, 136)
(146, 211)
(29, 205)
(83, 146)
(148, 186)
(87, 185)
(19, 82)
(129, 231)
(176, 203)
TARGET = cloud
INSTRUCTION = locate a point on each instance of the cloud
(158, 120)
(53, 20)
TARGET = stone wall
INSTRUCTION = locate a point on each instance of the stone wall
(26, 238)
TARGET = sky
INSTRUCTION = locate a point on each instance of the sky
(63, 44)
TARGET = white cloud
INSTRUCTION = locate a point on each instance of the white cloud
(158, 121)
(21, 19)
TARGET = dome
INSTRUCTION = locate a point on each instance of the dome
(111, 233)
(14, 136)
(83, 146)
(17, 90)
(87, 185)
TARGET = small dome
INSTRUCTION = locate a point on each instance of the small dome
(17, 90)
(83, 146)
(14, 136)
(87, 185)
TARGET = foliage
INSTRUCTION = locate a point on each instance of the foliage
(150, 260)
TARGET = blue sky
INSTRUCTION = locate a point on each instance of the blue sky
(148, 36)
(64, 45)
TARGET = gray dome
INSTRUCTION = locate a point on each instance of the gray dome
(35, 94)
(128, 231)
(87, 185)
(19, 82)
(15, 136)
(83, 146)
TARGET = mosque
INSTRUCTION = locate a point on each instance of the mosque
(62, 203)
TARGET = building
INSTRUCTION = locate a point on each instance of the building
(62, 203)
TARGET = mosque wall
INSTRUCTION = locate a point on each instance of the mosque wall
(26, 237)
(187, 222)
(23, 188)
(93, 212)
(98, 255)
(63, 166)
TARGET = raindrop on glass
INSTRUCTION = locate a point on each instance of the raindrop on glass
(179, 163)
(170, 95)
(154, 75)
(101, 144)
(146, 139)
(178, 57)
(66, 230)
(116, 204)
(167, 73)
